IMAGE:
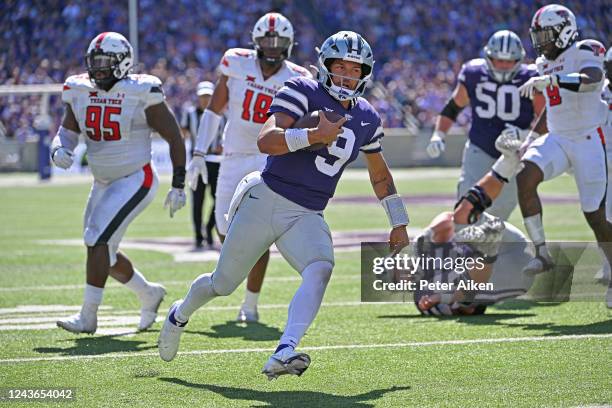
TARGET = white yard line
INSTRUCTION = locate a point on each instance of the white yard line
(321, 348)
(114, 285)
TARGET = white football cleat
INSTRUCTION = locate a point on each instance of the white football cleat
(80, 323)
(286, 361)
(149, 304)
(170, 334)
(247, 316)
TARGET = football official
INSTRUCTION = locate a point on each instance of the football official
(189, 123)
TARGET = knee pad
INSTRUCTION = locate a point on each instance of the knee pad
(202, 286)
(221, 285)
(319, 270)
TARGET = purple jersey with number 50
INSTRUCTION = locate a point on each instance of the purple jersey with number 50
(494, 104)
(309, 178)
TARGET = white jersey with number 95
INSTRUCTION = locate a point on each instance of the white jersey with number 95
(114, 123)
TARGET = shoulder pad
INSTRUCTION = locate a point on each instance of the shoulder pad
(80, 81)
(147, 87)
(234, 60)
(472, 67)
(592, 46)
(298, 69)
(75, 84)
(145, 80)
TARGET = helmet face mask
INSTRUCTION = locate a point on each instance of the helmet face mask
(504, 46)
(272, 38)
(272, 49)
(100, 67)
(108, 60)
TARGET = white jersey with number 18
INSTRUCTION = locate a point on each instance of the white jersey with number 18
(250, 96)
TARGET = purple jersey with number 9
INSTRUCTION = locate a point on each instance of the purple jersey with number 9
(309, 178)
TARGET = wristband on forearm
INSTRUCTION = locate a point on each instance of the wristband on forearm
(178, 177)
(296, 139)
(396, 212)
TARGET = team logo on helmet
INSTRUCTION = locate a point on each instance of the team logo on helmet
(553, 29)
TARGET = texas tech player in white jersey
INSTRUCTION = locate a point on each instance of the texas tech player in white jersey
(247, 84)
(115, 113)
(250, 96)
(569, 113)
(118, 137)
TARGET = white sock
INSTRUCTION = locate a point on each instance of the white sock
(92, 298)
(137, 283)
(306, 301)
(535, 229)
(250, 300)
(200, 292)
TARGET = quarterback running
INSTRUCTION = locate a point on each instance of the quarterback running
(248, 81)
(284, 204)
(115, 112)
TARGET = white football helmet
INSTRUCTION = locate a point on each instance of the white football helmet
(273, 38)
(504, 45)
(109, 58)
(553, 29)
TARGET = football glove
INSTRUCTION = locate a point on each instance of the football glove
(175, 200)
(62, 157)
(538, 83)
(195, 169)
(510, 140)
(436, 144)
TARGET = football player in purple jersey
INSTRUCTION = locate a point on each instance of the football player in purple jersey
(490, 85)
(284, 204)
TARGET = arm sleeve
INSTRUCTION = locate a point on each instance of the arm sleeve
(65, 138)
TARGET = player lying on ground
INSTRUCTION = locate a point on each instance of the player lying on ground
(248, 81)
(502, 265)
(472, 232)
(284, 205)
(116, 112)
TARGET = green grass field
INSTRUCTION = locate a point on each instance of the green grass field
(384, 355)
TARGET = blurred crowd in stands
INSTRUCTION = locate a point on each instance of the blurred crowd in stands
(419, 46)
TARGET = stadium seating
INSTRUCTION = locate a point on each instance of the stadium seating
(181, 42)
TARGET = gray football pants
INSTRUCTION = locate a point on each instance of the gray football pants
(476, 163)
(263, 218)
